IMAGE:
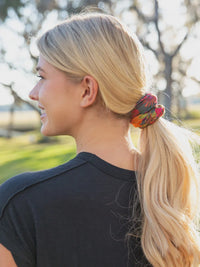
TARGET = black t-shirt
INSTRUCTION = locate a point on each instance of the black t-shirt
(73, 215)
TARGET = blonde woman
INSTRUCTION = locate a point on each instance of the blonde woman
(112, 205)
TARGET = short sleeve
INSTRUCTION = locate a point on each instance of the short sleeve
(17, 231)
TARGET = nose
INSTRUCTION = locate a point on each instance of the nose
(34, 93)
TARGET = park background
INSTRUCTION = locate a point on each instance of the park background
(169, 31)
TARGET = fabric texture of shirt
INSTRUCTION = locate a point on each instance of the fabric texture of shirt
(73, 215)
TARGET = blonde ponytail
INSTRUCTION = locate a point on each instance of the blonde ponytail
(168, 184)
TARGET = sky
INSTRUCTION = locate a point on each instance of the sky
(24, 80)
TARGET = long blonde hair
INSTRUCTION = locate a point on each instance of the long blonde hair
(167, 177)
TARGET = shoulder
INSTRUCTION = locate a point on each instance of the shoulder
(22, 182)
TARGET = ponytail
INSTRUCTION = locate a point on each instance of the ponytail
(168, 186)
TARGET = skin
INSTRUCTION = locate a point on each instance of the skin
(73, 108)
(6, 259)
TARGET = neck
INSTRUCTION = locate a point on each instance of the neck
(109, 140)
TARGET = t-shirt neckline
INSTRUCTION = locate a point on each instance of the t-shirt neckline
(107, 167)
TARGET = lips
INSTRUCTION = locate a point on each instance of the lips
(42, 111)
(42, 116)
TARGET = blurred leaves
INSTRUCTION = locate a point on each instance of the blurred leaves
(6, 4)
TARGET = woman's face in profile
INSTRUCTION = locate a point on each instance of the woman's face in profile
(58, 98)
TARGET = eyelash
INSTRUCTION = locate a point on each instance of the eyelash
(39, 76)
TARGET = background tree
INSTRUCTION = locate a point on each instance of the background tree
(32, 16)
(24, 19)
(164, 41)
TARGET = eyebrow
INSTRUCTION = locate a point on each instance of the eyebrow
(39, 68)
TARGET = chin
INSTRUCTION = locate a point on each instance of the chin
(51, 132)
(47, 132)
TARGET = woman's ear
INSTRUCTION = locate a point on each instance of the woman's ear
(89, 92)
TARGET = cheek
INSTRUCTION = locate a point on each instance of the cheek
(65, 110)
(47, 95)
(43, 93)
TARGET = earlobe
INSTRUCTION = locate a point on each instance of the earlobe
(90, 90)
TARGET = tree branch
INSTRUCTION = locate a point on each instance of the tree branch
(18, 99)
(195, 79)
(145, 44)
(157, 27)
(144, 18)
(192, 78)
(180, 45)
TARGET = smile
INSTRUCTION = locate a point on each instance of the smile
(42, 115)
(42, 112)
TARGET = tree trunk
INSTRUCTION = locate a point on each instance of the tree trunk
(10, 125)
(168, 89)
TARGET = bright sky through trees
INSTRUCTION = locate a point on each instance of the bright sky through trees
(20, 59)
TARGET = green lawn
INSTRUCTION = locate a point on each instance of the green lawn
(19, 155)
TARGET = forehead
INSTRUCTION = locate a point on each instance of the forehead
(44, 65)
(48, 69)
(41, 62)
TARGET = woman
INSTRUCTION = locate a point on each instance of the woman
(111, 205)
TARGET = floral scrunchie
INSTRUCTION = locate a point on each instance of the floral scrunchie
(146, 111)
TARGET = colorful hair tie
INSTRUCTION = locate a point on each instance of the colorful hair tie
(146, 111)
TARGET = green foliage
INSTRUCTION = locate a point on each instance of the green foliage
(192, 114)
(197, 153)
(192, 124)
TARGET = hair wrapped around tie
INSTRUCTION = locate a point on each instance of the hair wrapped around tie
(146, 111)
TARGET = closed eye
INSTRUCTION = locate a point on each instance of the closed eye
(39, 76)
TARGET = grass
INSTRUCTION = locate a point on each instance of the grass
(22, 153)
(18, 155)
(192, 124)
